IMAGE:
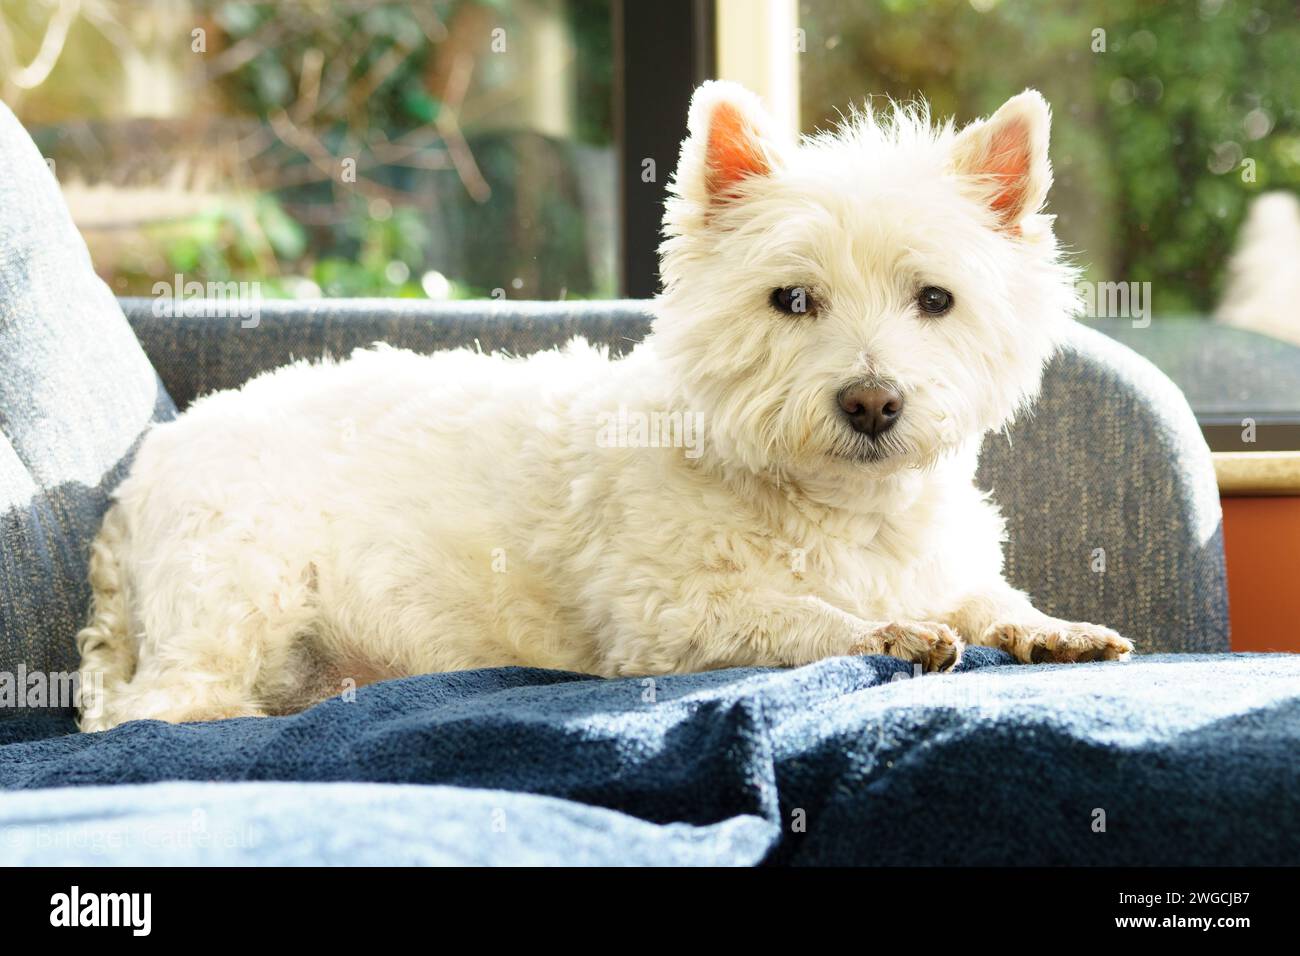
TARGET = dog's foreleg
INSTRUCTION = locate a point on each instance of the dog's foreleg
(778, 630)
(1004, 618)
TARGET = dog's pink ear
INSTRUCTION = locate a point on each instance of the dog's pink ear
(730, 141)
(1007, 157)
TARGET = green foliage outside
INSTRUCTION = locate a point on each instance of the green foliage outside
(1157, 106)
(468, 189)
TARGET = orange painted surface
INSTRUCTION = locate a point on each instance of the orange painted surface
(1261, 538)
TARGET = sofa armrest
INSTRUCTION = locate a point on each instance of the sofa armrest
(1112, 508)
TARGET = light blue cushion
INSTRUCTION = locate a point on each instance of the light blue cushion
(351, 824)
(76, 392)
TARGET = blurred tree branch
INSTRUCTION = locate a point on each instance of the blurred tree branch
(51, 48)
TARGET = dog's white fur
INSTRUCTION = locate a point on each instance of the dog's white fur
(395, 514)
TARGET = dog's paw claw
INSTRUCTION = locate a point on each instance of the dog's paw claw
(1058, 642)
(936, 647)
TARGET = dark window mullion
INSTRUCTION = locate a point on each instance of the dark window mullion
(662, 51)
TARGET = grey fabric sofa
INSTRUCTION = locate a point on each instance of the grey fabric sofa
(1108, 486)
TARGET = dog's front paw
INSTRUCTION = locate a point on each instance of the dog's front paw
(1053, 641)
(936, 647)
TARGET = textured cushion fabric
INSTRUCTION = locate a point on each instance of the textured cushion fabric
(76, 392)
(1108, 488)
(1171, 760)
(1111, 502)
(196, 354)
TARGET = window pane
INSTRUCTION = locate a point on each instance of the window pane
(445, 149)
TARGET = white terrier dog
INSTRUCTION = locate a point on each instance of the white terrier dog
(848, 317)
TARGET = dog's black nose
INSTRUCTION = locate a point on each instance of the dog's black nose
(871, 409)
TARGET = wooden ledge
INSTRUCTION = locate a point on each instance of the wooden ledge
(1251, 473)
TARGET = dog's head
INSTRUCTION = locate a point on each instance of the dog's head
(865, 301)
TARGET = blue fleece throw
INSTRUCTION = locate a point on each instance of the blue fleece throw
(1166, 760)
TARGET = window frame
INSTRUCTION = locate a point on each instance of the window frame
(662, 52)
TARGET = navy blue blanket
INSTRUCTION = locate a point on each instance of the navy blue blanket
(1168, 760)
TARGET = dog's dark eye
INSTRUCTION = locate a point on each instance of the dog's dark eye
(934, 301)
(794, 300)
